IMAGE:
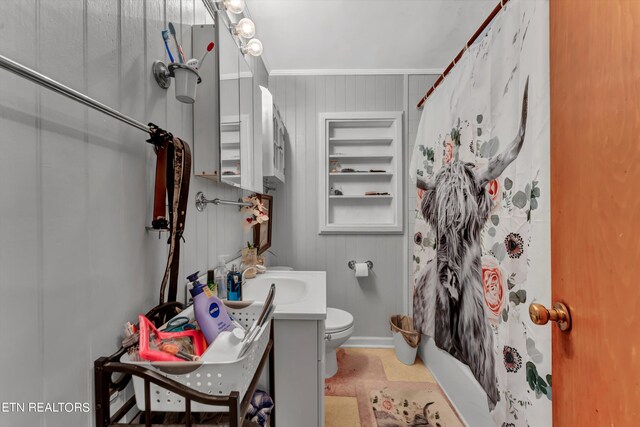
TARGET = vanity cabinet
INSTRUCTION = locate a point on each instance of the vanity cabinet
(299, 372)
(298, 364)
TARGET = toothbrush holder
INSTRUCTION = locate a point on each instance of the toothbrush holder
(187, 78)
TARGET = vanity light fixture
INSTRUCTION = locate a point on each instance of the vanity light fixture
(245, 28)
(253, 47)
(233, 6)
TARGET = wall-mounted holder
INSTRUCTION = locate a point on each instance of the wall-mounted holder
(187, 79)
(352, 265)
(160, 231)
(202, 201)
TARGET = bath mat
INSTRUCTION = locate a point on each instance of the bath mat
(404, 404)
(353, 367)
(366, 376)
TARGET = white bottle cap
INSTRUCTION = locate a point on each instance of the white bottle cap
(238, 333)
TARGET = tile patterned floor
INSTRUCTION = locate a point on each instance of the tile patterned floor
(372, 378)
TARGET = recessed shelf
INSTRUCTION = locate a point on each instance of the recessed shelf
(364, 141)
(360, 141)
(361, 158)
(360, 174)
(362, 196)
(362, 123)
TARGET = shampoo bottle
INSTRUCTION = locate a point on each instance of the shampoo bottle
(234, 285)
(210, 312)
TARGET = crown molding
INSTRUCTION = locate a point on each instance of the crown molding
(362, 72)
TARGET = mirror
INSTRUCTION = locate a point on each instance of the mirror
(246, 122)
(240, 155)
(230, 118)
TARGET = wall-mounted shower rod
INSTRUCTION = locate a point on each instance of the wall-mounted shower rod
(55, 86)
(453, 63)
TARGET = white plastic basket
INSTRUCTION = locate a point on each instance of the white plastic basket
(216, 379)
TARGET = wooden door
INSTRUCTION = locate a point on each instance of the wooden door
(595, 220)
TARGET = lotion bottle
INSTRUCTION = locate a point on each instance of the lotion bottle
(210, 312)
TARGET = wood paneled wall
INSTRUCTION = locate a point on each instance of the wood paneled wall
(371, 300)
(76, 194)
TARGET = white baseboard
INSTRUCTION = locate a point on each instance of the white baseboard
(369, 342)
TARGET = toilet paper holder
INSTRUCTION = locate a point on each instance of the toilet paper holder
(352, 265)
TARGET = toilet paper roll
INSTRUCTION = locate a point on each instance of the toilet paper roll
(362, 269)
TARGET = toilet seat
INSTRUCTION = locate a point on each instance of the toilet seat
(337, 321)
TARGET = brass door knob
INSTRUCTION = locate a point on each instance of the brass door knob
(540, 315)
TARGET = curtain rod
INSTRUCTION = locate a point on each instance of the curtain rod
(473, 38)
(55, 86)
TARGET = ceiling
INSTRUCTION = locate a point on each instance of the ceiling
(315, 36)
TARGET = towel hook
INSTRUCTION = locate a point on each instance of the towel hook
(201, 202)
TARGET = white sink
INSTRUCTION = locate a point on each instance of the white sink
(288, 290)
(299, 294)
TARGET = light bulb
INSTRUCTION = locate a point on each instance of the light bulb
(253, 47)
(245, 28)
(234, 6)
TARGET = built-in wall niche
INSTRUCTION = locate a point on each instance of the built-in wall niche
(360, 167)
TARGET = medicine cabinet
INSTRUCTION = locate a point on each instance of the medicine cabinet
(225, 149)
(274, 139)
(360, 167)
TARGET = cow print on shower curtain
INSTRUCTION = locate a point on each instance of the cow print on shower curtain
(481, 236)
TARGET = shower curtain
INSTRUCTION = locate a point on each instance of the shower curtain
(482, 233)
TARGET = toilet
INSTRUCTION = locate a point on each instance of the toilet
(338, 329)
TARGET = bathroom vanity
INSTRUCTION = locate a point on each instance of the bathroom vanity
(301, 309)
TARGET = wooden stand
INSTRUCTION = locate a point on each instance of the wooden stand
(105, 386)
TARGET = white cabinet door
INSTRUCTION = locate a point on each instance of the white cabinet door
(297, 388)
